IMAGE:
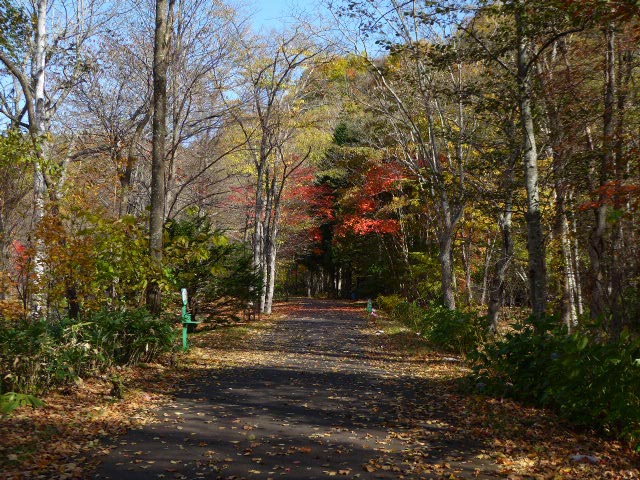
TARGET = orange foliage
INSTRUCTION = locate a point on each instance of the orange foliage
(367, 204)
(365, 226)
(614, 193)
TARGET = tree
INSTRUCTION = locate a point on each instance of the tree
(277, 72)
(51, 66)
(161, 42)
(423, 88)
(531, 28)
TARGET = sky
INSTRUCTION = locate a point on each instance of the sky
(267, 12)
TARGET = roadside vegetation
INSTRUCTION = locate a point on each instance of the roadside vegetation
(590, 382)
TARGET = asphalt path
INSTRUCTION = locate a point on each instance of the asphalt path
(316, 396)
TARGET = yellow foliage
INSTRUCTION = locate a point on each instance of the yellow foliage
(11, 310)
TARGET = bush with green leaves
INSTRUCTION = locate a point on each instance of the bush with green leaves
(130, 337)
(218, 274)
(387, 303)
(11, 400)
(451, 330)
(38, 355)
(34, 356)
(409, 314)
(585, 378)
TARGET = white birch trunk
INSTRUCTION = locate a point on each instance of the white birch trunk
(38, 129)
(487, 263)
(271, 267)
(571, 318)
(535, 236)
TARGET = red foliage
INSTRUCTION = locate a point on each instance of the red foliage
(367, 204)
(240, 196)
(315, 235)
(382, 178)
(366, 226)
(613, 193)
(22, 257)
(318, 199)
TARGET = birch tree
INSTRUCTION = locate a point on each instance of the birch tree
(526, 29)
(430, 121)
(51, 60)
(276, 71)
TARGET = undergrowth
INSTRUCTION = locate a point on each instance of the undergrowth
(40, 354)
(584, 376)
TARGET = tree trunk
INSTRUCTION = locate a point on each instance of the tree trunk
(162, 37)
(569, 297)
(445, 256)
(37, 129)
(496, 292)
(535, 237)
(575, 251)
(466, 260)
(258, 229)
(271, 265)
(485, 275)
(620, 267)
(597, 301)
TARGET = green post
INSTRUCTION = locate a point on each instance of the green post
(370, 306)
(186, 320)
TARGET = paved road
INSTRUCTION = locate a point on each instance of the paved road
(315, 397)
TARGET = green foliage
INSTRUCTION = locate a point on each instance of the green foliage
(38, 355)
(454, 330)
(410, 314)
(130, 337)
(343, 134)
(387, 303)
(589, 381)
(11, 400)
(34, 356)
(122, 259)
(451, 330)
(15, 26)
(105, 262)
(425, 274)
(218, 274)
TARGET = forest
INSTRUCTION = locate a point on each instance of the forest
(472, 168)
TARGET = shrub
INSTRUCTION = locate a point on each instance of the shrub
(130, 337)
(37, 355)
(451, 330)
(585, 379)
(409, 314)
(454, 330)
(10, 401)
(387, 303)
